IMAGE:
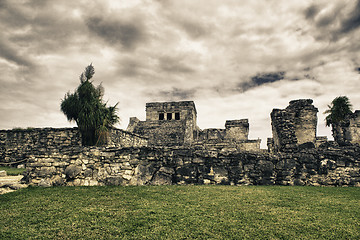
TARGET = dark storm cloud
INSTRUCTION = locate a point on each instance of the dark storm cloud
(260, 79)
(334, 22)
(174, 65)
(353, 21)
(128, 33)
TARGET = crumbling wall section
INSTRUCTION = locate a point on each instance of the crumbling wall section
(234, 136)
(348, 130)
(120, 138)
(354, 127)
(17, 144)
(294, 125)
(162, 133)
(237, 130)
(305, 119)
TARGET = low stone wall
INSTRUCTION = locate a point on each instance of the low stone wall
(18, 144)
(328, 165)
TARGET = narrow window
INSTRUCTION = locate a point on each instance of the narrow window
(169, 116)
(161, 116)
(177, 116)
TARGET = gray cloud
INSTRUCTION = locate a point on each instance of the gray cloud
(174, 65)
(11, 54)
(311, 12)
(333, 21)
(130, 67)
(192, 28)
(353, 21)
(176, 94)
(127, 33)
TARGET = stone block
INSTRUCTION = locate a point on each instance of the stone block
(45, 183)
(72, 171)
(88, 173)
(57, 181)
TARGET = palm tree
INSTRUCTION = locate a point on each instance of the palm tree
(86, 107)
(338, 110)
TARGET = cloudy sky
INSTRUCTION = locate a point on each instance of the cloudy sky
(235, 58)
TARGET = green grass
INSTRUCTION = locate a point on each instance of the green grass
(181, 212)
(12, 171)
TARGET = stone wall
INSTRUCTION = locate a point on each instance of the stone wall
(328, 165)
(16, 145)
(234, 136)
(162, 133)
(237, 129)
(120, 138)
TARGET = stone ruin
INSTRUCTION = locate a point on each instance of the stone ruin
(174, 124)
(348, 131)
(169, 148)
(294, 125)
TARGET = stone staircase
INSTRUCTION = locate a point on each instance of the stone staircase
(10, 183)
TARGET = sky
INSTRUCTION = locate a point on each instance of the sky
(235, 59)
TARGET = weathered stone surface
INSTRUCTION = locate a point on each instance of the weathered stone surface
(116, 181)
(72, 171)
(164, 176)
(143, 174)
(17, 145)
(46, 171)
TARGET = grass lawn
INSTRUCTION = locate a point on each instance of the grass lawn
(181, 212)
(12, 171)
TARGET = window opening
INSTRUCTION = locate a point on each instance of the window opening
(169, 116)
(161, 116)
(177, 116)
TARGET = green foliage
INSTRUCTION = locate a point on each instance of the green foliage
(11, 171)
(181, 212)
(339, 108)
(86, 107)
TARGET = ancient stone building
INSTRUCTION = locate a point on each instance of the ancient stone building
(167, 123)
(185, 154)
(294, 125)
(174, 124)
